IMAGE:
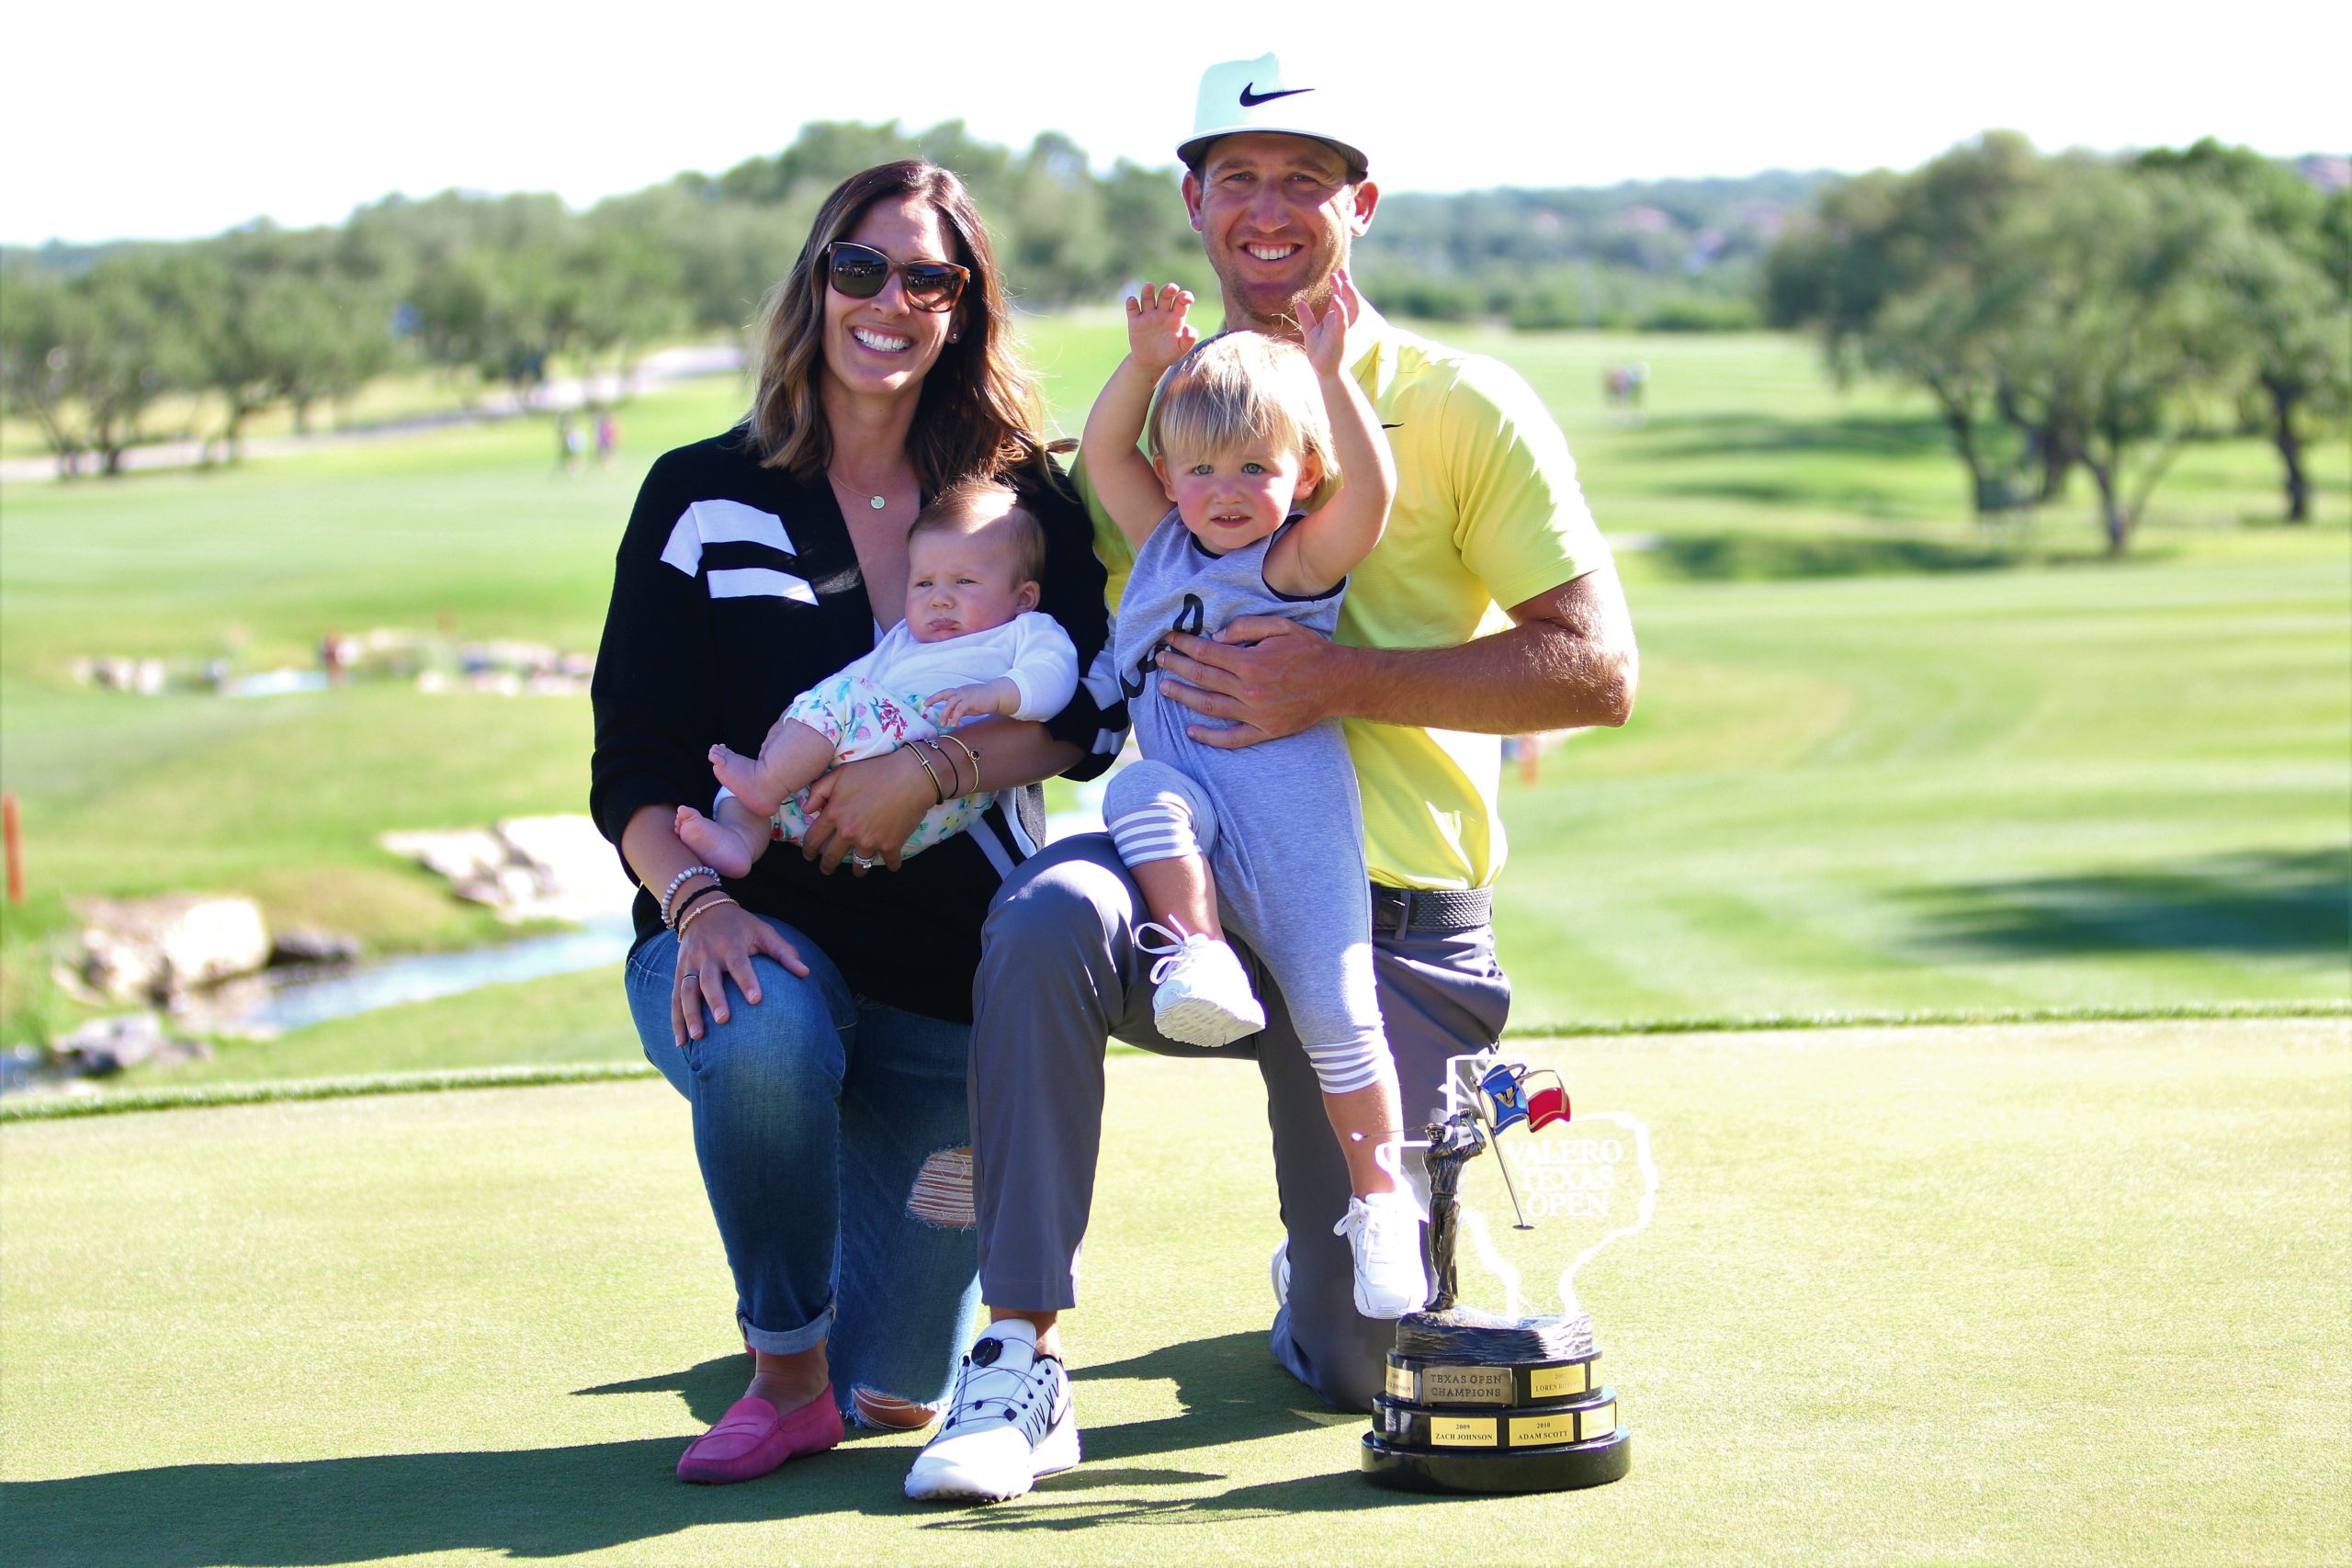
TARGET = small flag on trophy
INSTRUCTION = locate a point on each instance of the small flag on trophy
(1547, 1103)
(1507, 1095)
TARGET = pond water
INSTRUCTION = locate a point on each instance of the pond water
(295, 1001)
(298, 1000)
(276, 1001)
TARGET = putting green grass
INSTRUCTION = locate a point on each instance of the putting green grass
(2064, 1294)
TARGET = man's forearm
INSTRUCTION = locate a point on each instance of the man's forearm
(1533, 677)
(1568, 664)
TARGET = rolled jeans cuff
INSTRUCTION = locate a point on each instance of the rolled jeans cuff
(786, 1341)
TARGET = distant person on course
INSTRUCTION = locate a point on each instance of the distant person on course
(814, 1012)
(1490, 607)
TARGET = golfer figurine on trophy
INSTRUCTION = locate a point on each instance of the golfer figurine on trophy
(1511, 1401)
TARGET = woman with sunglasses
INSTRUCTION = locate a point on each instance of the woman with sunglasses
(815, 1012)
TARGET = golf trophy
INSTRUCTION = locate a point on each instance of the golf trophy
(1510, 1400)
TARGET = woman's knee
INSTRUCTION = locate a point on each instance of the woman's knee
(789, 1042)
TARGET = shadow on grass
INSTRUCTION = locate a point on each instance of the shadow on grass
(1725, 557)
(1232, 1391)
(709, 1387)
(1723, 434)
(523, 1503)
(2256, 904)
(549, 1502)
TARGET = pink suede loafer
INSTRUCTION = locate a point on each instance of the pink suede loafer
(752, 1439)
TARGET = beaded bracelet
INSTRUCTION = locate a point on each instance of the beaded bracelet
(937, 789)
(967, 750)
(672, 891)
(688, 902)
(686, 919)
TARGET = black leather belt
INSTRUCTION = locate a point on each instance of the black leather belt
(1431, 910)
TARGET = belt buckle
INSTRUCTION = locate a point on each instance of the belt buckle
(1403, 897)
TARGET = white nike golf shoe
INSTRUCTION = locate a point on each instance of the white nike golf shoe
(1008, 1422)
(1384, 1234)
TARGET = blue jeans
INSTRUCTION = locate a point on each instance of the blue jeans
(834, 1147)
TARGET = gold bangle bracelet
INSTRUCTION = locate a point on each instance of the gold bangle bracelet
(966, 748)
(955, 774)
(938, 790)
(699, 910)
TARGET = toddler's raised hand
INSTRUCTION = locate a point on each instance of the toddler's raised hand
(1157, 334)
(1326, 336)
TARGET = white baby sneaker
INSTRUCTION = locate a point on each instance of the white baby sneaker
(1204, 996)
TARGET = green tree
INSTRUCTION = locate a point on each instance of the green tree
(2120, 329)
(724, 254)
(1909, 276)
(45, 329)
(2285, 276)
(619, 290)
(234, 298)
(137, 349)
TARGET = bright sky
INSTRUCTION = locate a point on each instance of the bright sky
(143, 120)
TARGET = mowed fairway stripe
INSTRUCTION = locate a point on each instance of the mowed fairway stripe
(482, 1323)
(1964, 790)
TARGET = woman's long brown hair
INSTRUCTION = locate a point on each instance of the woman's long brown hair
(979, 410)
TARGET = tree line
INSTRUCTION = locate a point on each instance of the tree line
(2071, 310)
(2062, 310)
(485, 290)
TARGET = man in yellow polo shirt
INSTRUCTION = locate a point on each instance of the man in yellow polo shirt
(1489, 608)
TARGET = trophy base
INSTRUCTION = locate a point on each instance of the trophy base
(1464, 1334)
(1564, 1467)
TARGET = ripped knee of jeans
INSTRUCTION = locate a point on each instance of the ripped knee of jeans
(941, 1194)
(889, 1411)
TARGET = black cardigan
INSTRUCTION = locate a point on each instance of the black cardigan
(684, 663)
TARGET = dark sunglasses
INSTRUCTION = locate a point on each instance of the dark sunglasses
(861, 271)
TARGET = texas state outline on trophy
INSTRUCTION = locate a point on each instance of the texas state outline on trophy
(1510, 1400)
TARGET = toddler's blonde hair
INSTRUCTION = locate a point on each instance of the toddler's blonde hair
(1240, 388)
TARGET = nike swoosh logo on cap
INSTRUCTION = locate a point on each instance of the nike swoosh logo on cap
(1252, 97)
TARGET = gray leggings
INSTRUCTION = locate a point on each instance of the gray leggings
(1310, 922)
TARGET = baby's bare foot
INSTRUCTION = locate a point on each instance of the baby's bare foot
(720, 846)
(742, 775)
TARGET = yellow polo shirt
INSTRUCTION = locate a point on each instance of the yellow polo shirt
(1487, 513)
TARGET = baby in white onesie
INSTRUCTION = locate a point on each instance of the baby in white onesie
(973, 642)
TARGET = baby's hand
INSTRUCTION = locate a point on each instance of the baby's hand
(1157, 334)
(1326, 336)
(957, 704)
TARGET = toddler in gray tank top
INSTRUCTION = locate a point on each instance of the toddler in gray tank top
(1251, 439)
